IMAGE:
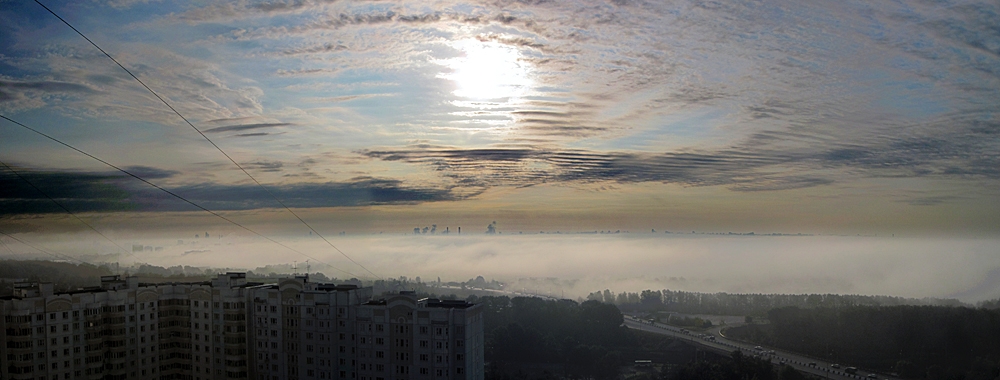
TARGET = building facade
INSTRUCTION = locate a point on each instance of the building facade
(228, 328)
(304, 330)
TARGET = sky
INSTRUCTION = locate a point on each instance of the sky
(827, 118)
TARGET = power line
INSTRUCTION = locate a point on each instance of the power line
(64, 207)
(58, 255)
(217, 147)
(175, 195)
(6, 246)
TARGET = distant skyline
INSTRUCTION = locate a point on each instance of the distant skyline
(846, 117)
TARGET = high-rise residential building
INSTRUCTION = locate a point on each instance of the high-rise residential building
(228, 328)
(304, 330)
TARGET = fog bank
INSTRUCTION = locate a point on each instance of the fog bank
(575, 265)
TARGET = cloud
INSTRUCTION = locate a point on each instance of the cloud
(244, 127)
(750, 96)
(755, 164)
(359, 191)
(149, 172)
(26, 94)
(303, 72)
(530, 166)
(256, 134)
(89, 87)
(45, 86)
(84, 192)
(931, 200)
(765, 183)
(78, 192)
(264, 166)
(347, 98)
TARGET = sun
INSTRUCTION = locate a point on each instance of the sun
(488, 71)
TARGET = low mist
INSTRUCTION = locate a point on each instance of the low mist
(572, 266)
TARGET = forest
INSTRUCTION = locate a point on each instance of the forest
(583, 339)
(749, 304)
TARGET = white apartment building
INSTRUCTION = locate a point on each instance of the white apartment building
(304, 330)
(228, 328)
(124, 330)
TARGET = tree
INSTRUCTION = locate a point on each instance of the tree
(651, 299)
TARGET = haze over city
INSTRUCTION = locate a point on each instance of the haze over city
(607, 144)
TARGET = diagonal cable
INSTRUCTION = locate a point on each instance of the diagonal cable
(53, 254)
(164, 101)
(4, 244)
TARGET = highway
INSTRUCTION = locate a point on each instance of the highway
(721, 344)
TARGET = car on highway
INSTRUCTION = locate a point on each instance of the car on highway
(812, 364)
(834, 365)
(872, 376)
(851, 370)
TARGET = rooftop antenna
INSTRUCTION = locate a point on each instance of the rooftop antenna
(308, 267)
(295, 268)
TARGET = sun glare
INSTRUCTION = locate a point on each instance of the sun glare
(488, 71)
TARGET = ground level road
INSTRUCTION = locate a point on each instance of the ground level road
(713, 340)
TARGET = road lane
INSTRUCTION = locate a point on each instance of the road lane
(721, 344)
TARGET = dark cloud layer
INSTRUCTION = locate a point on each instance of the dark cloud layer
(78, 192)
(102, 192)
(763, 162)
(531, 166)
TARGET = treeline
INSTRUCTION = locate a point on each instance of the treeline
(581, 337)
(914, 341)
(64, 276)
(989, 304)
(748, 304)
